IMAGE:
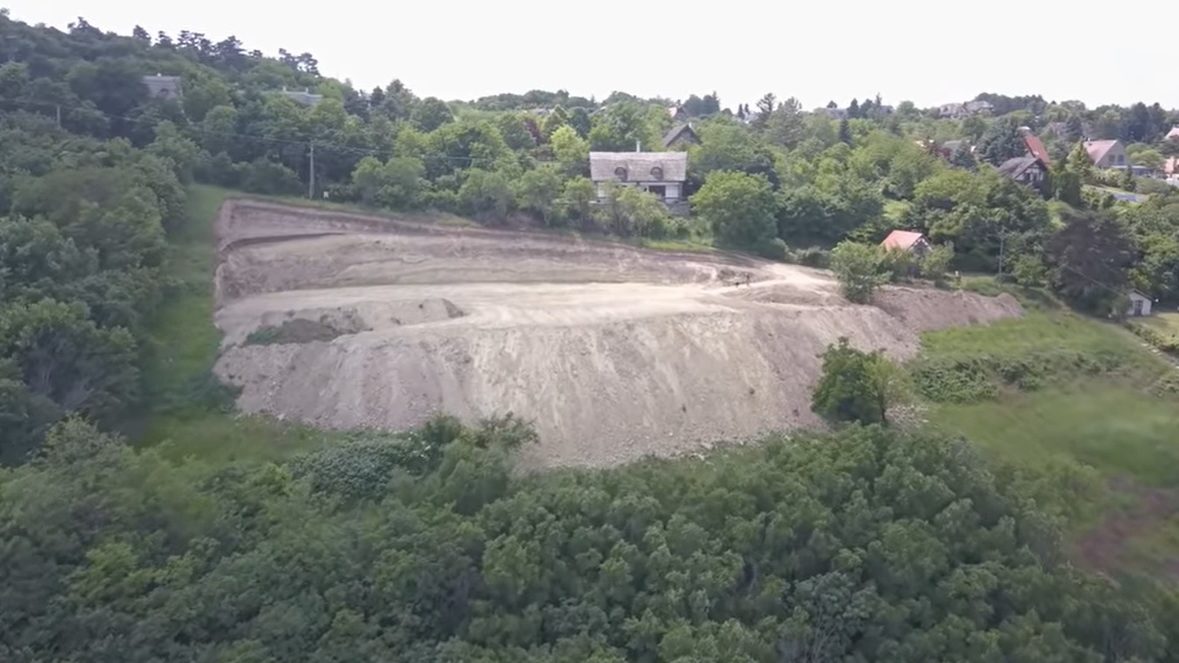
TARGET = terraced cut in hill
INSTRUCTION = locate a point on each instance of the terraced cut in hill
(346, 321)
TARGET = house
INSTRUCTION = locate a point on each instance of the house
(960, 110)
(1173, 134)
(1106, 153)
(660, 173)
(1139, 304)
(832, 113)
(302, 97)
(1035, 147)
(1027, 170)
(680, 137)
(1171, 166)
(906, 240)
(677, 113)
(162, 87)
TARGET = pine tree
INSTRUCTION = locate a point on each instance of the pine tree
(845, 134)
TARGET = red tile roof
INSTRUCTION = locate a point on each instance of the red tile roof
(1098, 148)
(901, 239)
(1036, 148)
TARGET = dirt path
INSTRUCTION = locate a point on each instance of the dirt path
(614, 352)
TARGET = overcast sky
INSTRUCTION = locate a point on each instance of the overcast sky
(920, 50)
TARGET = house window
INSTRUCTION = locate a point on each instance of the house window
(1119, 159)
(659, 191)
(657, 173)
(620, 173)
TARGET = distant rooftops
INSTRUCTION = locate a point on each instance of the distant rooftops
(161, 86)
(302, 97)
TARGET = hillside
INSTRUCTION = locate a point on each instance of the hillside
(348, 322)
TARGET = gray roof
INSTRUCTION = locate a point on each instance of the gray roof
(638, 166)
(678, 130)
(1015, 166)
(304, 97)
(162, 86)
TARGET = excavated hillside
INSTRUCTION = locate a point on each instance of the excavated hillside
(347, 321)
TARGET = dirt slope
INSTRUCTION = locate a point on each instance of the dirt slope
(613, 351)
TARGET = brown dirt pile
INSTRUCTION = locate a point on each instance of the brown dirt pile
(614, 352)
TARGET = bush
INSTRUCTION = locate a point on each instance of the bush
(855, 385)
(857, 266)
(975, 377)
(813, 257)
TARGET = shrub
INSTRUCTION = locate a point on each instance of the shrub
(857, 266)
(855, 385)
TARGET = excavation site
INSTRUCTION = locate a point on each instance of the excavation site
(346, 321)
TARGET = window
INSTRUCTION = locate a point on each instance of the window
(657, 173)
(620, 173)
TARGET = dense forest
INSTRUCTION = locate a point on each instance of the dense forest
(864, 544)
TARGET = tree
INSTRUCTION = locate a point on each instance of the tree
(1002, 141)
(577, 199)
(538, 191)
(845, 135)
(397, 184)
(621, 127)
(486, 194)
(963, 157)
(65, 358)
(936, 262)
(626, 211)
(431, 113)
(740, 208)
(857, 266)
(570, 150)
(856, 386)
(1091, 256)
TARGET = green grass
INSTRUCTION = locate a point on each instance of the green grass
(1114, 428)
(1045, 331)
(189, 413)
(677, 245)
(1164, 323)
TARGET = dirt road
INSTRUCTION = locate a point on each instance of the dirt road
(614, 352)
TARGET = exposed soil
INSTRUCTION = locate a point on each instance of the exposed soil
(614, 352)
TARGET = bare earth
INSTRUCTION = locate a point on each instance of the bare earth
(614, 352)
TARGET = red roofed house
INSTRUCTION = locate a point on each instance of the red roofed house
(1106, 153)
(1036, 148)
(906, 240)
(1171, 166)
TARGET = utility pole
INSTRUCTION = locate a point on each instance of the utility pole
(59, 116)
(311, 177)
(1002, 237)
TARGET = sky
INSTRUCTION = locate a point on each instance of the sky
(925, 51)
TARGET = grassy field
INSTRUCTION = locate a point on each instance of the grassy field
(1164, 323)
(189, 412)
(1114, 428)
(1111, 426)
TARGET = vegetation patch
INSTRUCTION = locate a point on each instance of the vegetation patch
(298, 330)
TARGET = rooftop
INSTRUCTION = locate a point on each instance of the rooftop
(902, 239)
(640, 166)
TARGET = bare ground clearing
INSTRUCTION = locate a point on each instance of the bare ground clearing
(614, 352)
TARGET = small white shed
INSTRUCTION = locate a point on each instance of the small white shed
(1139, 304)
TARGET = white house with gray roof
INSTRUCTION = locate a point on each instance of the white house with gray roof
(162, 87)
(660, 173)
